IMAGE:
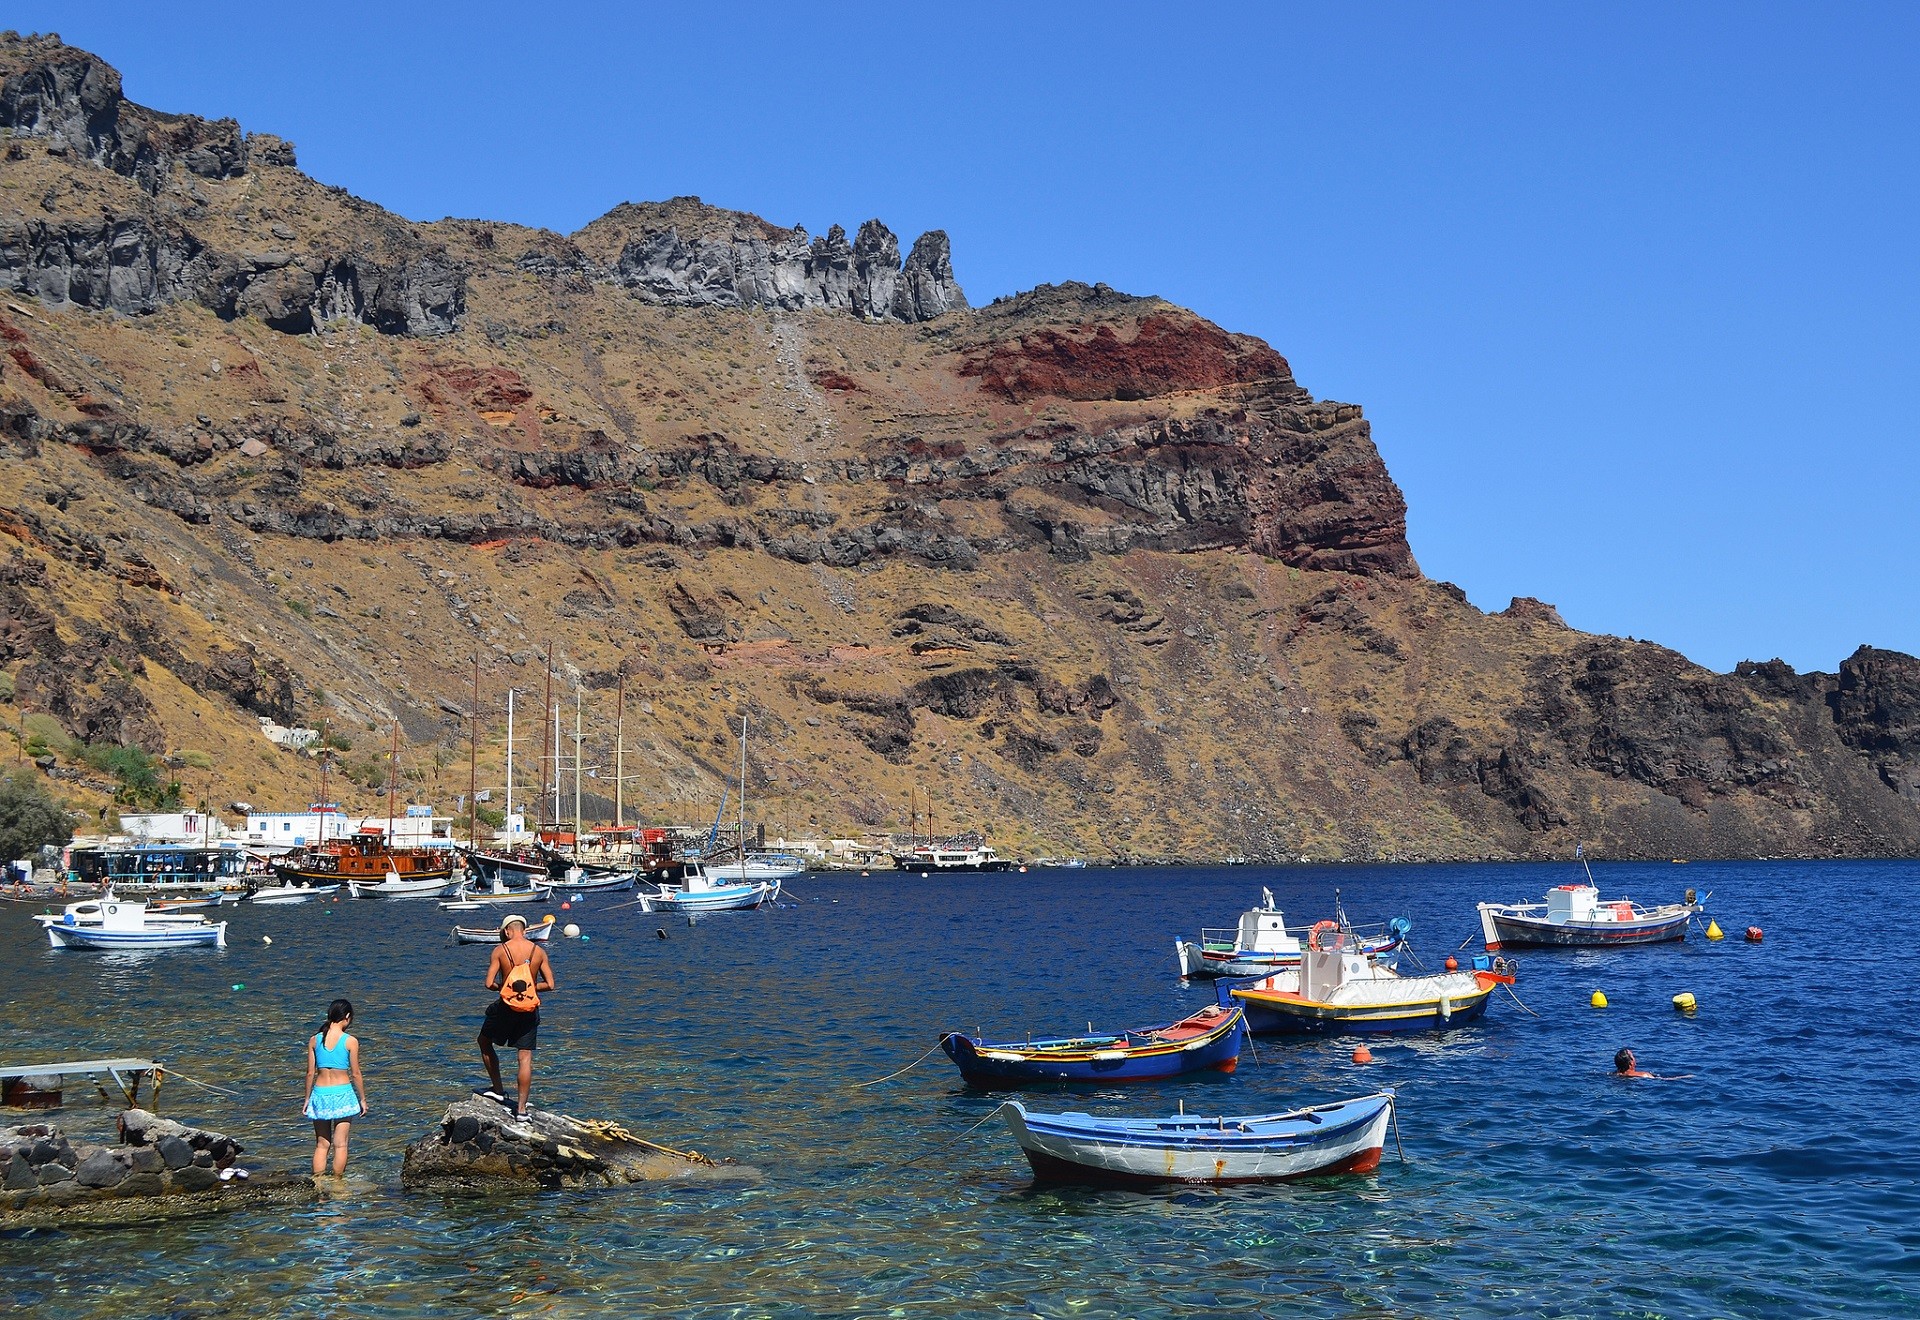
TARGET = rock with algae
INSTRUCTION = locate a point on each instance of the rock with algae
(479, 1145)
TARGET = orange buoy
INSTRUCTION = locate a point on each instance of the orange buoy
(1755, 934)
(1361, 1054)
(566, 903)
(1453, 963)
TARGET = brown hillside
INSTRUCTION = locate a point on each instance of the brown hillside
(1091, 572)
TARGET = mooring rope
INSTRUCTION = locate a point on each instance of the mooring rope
(174, 1072)
(1393, 1112)
(1516, 999)
(909, 1068)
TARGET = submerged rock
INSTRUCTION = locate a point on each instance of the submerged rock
(478, 1145)
(161, 1170)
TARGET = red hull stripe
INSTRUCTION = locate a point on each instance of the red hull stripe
(1052, 1169)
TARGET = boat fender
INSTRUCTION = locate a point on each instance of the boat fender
(1599, 999)
(1685, 1002)
(1714, 932)
(1446, 1007)
(571, 931)
(1755, 935)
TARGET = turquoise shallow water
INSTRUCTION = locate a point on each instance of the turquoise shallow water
(1781, 1180)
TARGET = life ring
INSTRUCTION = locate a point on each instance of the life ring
(1313, 936)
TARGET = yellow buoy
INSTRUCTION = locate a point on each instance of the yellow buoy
(1599, 1000)
(1685, 1002)
(1714, 932)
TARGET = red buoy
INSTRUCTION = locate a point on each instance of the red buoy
(1755, 934)
(1453, 963)
(1361, 1054)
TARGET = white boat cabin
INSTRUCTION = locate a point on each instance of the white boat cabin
(1569, 903)
(1264, 930)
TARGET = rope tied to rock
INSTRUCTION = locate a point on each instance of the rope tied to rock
(607, 1130)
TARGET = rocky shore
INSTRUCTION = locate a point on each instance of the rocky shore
(159, 1169)
(478, 1146)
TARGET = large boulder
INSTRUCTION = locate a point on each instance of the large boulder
(478, 1146)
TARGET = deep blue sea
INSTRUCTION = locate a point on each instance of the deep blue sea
(1781, 1179)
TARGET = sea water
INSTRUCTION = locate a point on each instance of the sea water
(1780, 1178)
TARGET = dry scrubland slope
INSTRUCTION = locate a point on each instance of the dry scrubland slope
(1089, 571)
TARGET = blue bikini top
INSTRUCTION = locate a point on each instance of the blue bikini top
(334, 1056)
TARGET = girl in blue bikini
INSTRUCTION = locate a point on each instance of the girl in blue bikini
(335, 1093)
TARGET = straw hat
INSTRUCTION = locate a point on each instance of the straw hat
(511, 919)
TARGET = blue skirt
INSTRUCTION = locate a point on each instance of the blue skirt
(333, 1103)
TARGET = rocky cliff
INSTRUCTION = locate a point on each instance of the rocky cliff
(1085, 570)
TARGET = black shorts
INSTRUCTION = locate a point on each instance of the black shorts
(509, 1027)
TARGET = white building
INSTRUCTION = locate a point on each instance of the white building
(173, 827)
(281, 831)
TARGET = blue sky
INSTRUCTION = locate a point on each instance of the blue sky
(1629, 292)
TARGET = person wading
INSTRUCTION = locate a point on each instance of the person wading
(519, 970)
(336, 1095)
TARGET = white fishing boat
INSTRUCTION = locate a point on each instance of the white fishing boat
(1339, 988)
(1345, 1137)
(758, 867)
(487, 896)
(703, 891)
(292, 893)
(541, 931)
(125, 924)
(1261, 943)
(394, 887)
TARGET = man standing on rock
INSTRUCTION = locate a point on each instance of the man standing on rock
(519, 970)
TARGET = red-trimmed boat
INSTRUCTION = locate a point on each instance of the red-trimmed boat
(1575, 916)
(1208, 1040)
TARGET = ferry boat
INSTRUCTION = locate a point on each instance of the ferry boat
(951, 856)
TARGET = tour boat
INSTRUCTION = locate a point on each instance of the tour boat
(1337, 988)
(520, 868)
(1262, 944)
(1209, 1039)
(367, 861)
(125, 924)
(1347, 1136)
(930, 857)
(1575, 916)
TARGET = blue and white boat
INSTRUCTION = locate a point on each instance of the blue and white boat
(123, 924)
(701, 890)
(1261, 944)
(1347, 1136)
(1207, 1040)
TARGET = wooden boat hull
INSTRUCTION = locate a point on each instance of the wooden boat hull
(497, 869)
(1347, 1137)
(1208, 1041)
(1507, 931)
(540, 931)
(595, 884)
(1424, 1003)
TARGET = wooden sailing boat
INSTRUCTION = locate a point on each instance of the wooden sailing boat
(368, 863)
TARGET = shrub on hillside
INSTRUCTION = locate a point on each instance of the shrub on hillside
(29, 816)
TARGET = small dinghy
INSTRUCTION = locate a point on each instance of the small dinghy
(121, 924)
(1210, 1039)
(540, 930)
(1575, 916)
(394, 887)
(292, 893)
(1338, 989)
(1261, 943)
(1347, 1136)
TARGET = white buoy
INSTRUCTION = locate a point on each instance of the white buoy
(266, 939)
(571, 931)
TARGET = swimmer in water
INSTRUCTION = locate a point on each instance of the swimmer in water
(1625, 1066)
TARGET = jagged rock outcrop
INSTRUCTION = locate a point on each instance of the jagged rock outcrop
(477, 1146)
(161, 1169)
(69, 103)
(685, 254)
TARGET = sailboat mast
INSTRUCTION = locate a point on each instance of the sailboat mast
(509, 761)
(546, 713)
(576, 767)
(393, 779)
(556, 762)
(320, 815)
(743, 797)
(619, 752)
(473, 758)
